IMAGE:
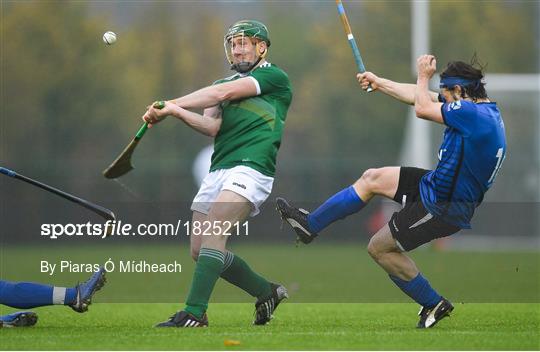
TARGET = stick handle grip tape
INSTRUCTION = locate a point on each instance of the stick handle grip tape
(7, 172)
(141, 131)
(351, 40)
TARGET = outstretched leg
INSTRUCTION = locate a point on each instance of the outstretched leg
(26, 295)
(383, 181)
(29, 295)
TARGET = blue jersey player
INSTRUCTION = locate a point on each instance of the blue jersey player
(436, 203)
(26, 295)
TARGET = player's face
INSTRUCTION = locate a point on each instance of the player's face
(243, 49)
(448, 95)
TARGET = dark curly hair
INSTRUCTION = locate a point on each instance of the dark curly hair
(472, 71)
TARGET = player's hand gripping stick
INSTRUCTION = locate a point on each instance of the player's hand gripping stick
(122, 164)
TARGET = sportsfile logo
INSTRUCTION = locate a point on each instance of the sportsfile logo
(119, 228)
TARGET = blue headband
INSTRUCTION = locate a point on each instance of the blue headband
(450, 82)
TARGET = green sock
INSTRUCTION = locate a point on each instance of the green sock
(209, 266)
(237, 272)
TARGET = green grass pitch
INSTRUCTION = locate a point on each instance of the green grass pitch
(339, 300)
(297, 326)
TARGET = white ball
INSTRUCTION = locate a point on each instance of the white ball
(109, 38)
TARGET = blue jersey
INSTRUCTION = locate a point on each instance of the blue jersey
(472, 151)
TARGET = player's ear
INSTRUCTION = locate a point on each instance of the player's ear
(261, 47)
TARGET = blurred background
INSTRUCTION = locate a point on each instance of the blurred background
(70, 104)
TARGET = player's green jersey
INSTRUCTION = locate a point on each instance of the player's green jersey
(251, 129)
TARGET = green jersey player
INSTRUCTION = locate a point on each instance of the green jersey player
(245, 113)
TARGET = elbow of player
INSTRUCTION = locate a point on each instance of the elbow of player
(223, 94)
(224, 97)
(212, 132)
(421, 112)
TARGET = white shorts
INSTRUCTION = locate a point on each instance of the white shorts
(243, 180)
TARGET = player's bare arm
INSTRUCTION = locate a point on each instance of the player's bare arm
(207, 97)
(424, 106)
(208, 123)
(403, 92)
(213, 95)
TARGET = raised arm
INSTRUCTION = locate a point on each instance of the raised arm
(404, 92)
(424, 107)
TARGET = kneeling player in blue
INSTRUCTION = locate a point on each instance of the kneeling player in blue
(436, 203)
(27, 295)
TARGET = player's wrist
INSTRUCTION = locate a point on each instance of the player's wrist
(423, 77)
(178, 112)
(385, 85)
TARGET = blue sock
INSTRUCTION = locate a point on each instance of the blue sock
(70, 296)
(418, 289)
(340, 205)
(29, 295)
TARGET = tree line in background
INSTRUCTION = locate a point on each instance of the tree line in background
(70, 103)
